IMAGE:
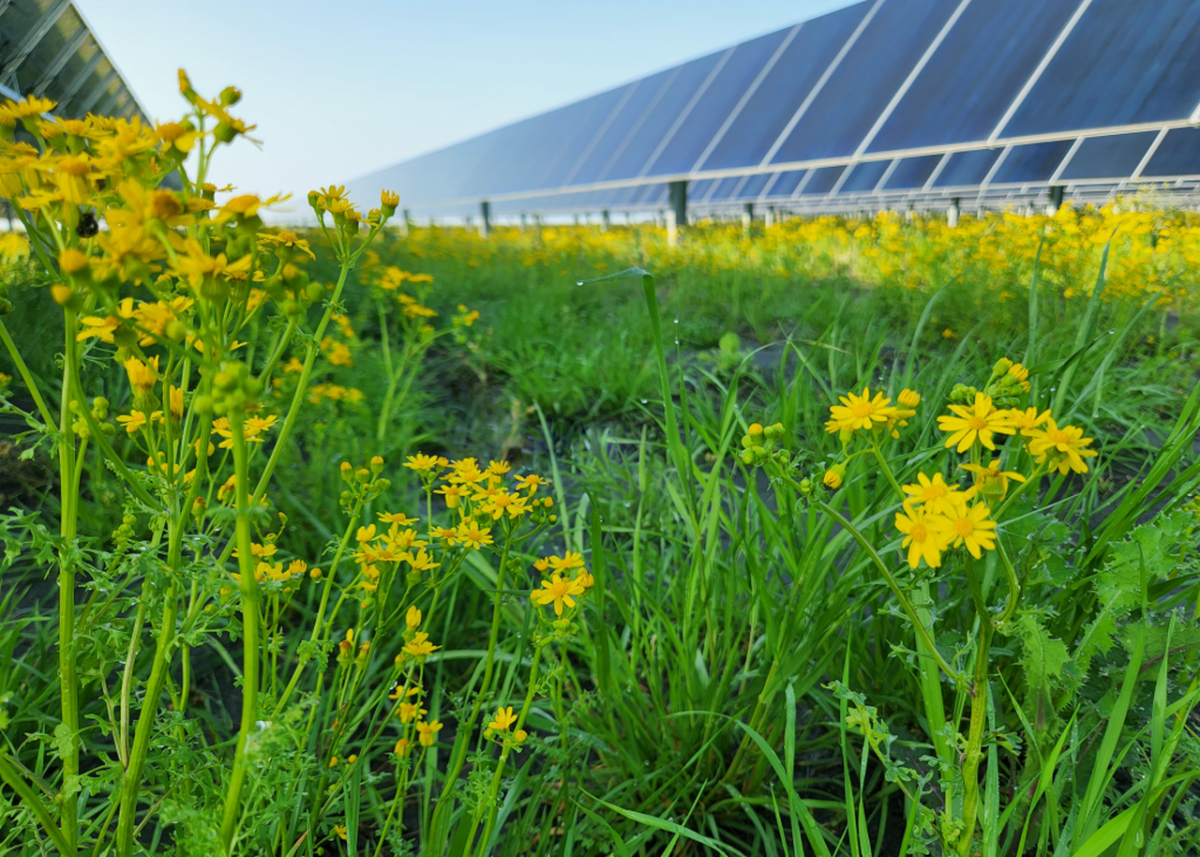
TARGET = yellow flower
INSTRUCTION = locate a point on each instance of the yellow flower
(568, 561)
(425, 464)
(452, 494)
(340, 829)
(503, 719)
(909, 398)
(427, 731)
(422, 561)
(833, 476)
(990, 481)
(925, 536)
(934, 495)
(532, 482)
(142, 376)
(419, 645)
(1021, 374)
(978, 422)
(134, 421)
(285, 239)
(472, 535)
(1024, 420)
(175, 400)
(973, 527)
(365, 534)
(407, 711)
(413, 617)
(558, 591)
(1061, 448)
(402, 747)
(859, 412)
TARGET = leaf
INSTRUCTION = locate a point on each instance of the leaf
(1043, 659)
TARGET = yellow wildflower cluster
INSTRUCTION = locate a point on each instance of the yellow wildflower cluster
(560, 590)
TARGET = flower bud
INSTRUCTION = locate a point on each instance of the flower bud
(834, 476)
(377, 464)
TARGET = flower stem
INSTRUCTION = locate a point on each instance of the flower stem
(250, 615)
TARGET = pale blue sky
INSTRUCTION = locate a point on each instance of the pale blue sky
(339, 89)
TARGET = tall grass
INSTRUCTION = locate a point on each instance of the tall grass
(745, 681)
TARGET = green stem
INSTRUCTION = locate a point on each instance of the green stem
(494, 785)
(250, 616)
(29, 797)
(887, 471)
(905, 603)
(489, 666)
(68, 680)
(26, 376)
(974, 752)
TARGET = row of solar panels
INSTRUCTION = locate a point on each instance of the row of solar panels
(871, 96)
(48, 49)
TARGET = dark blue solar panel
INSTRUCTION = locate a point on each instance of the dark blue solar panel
(725, 189)
(714, 106)
(611, 142)
(1108, 157)
(975, 74)
(787, 182)
(912, 173)
(1033, 163)
(1177, 155)
(822, 181)
(784, 89)
(863, 177)
(658, 118)
(1126, 61)
(560, 150)
(856, 94)
(697, 190)
(966, 168)
(754, 186)
(521, 154)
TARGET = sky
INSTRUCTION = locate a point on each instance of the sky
(341, 88)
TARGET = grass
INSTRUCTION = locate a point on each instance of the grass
(743, 680)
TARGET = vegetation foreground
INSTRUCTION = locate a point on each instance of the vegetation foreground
(853, 537)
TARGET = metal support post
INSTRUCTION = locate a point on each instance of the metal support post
(485, 218)
(677, 214)
(1056, 200)
(747, 215)
(952, 213)
(605, 220)
(524, 221)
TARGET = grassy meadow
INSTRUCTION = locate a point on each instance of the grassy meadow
(720, 619)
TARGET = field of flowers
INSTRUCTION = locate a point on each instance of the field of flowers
(836, 537)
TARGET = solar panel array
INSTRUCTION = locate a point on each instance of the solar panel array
(884, 102)
(48, 49)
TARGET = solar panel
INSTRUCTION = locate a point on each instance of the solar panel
(688, 141)
(1033, 163)
(611, 141)
(1125, 62)
(822, 181)
(1108, 157)
(787, 183)
(916, 98)
(967, 168)
(887, 49)
(784, 89)
(725, 188)
(912, 173)
(864, 177)
(1177, 155)
(754, 185)
(660, 116)
(974, 75)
